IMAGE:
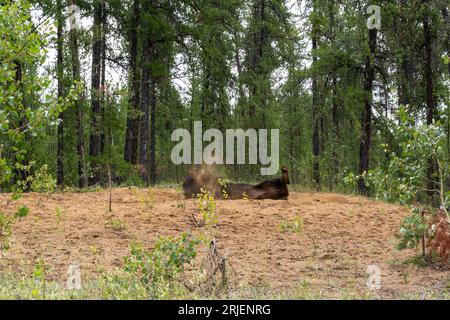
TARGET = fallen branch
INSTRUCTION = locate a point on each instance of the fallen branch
(197, 223)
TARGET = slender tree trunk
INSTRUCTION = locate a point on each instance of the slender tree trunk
(103, 89)
(206, 107)
(366, 121)
(428, 70)
(241, 99)
(447, 45)
(94, 141)
(60, 75)
(76, 75)
(262, 47)
(314, 109)
(21, 174)
(259, 43)
(429, 87)
(447, 41)
(403, 64)
(132, 132)
(153, 104)
(335, 135)
(334, 166)
(404, 83)
(144, 133)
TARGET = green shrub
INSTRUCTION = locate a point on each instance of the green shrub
(412, 229)
(115, 224)
(294, 226)
(158, 270)
(42, 181)
(404, 178)
(207, 206)
(6, 226)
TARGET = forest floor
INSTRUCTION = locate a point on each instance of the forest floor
(342, 235)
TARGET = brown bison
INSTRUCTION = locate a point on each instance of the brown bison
(205, 178)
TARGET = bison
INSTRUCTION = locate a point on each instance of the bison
(205, 178)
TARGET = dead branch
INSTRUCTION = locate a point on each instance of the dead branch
(196, 222)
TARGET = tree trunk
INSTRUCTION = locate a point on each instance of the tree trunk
(447, 45)
(103, 90)
(132, 132)
(153, 133)
(74, 52)
(256, 53)
(144, 133)
(335, 135)
(20, 173)
(60, 75)
(428, 70)
(404, 90)
(429, 87)
(334, 166)
(366, 121)
(314, 109)
(94, 142)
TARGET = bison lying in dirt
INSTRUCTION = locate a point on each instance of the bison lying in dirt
(206, 178)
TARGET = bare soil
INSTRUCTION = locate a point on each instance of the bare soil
(342, 236)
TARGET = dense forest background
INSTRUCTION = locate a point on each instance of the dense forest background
(102, 93)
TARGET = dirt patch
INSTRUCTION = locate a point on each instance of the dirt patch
(342, 236)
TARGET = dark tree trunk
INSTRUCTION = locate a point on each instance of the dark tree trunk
(447, 45)
(366, 121)
(153, 133)
(241, 99)
(74, 52)
(103, 89)
(144, 133)
(315, 112)
(132, 131)
(20, 173)
(404, 95)
(60, 75)
(429, 87)
(94, 141)
(256, 53)
(335, 135)
(428, 70)
(334, 166)
(447, 41)
(404, 63)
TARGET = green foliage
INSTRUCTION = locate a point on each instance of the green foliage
(6, 226)
(22, 212)
(147, 199)
(116, 224)
(20, 53)
(60, 219)
(157, 270)
(224, 183)
(411, 231)
(5, 231)
(207, 206)
(43, 182)
(294, 226)
(39, 274)
(405, 176)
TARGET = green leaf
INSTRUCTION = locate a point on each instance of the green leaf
(22, 212)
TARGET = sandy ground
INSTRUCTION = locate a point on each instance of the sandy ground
(342, 236)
